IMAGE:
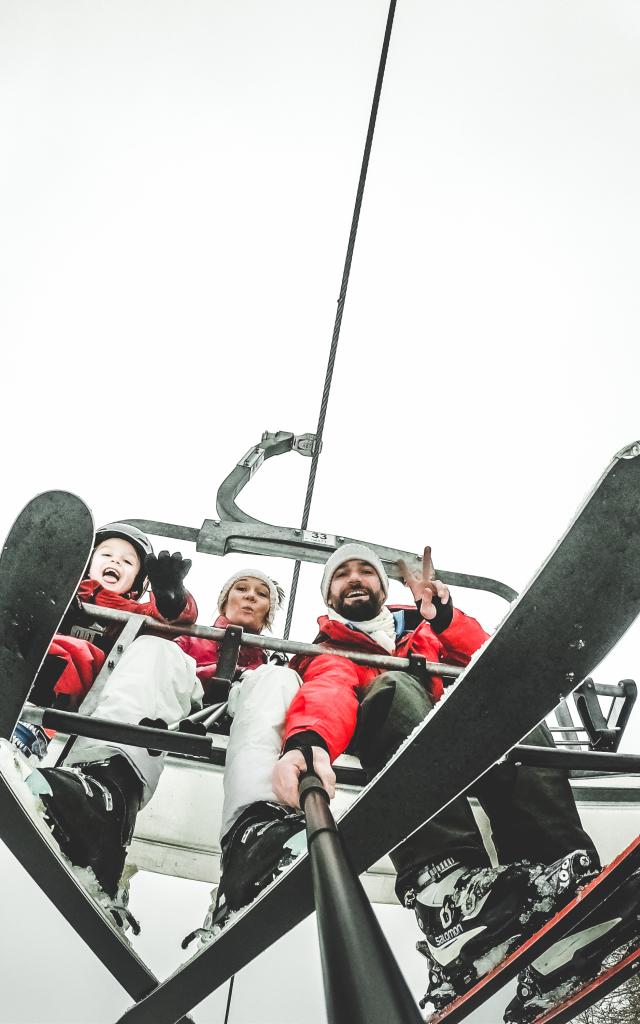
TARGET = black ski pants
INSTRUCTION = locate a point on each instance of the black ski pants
(532, 811)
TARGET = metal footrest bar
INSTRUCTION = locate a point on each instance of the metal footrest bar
(588, 760)
(118, 732)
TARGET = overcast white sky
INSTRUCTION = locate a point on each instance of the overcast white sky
(176, 190)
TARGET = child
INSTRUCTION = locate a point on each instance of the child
(91, 801)
(121, 565)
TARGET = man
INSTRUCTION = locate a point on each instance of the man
(465, 907)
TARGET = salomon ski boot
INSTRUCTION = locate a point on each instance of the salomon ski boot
(91, 810)
(260, 844)
(578, 956)
(476, 926)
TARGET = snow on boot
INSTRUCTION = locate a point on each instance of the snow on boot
(553, 886)
(477, 925)
(91, 810)
(578, 956)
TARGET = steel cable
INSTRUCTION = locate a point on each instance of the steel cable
(340, 306)
(336, 333)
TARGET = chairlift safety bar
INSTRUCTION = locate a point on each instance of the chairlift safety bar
(266, 643)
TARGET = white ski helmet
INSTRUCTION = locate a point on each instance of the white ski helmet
(137, 538)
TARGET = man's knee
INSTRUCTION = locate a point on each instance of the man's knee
(397, 693)
(392, 707)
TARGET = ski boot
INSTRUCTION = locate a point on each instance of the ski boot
(91, 810)
(31, 740)
(263, 841)
(578, 956)
(476, 926)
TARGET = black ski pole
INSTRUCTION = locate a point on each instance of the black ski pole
(362, 981)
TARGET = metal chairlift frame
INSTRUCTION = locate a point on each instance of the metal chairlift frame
(599, 758)
(239, 532)
(236, 531)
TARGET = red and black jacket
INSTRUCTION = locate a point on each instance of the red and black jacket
(327, 704)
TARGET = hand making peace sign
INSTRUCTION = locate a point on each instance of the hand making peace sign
(433, 595)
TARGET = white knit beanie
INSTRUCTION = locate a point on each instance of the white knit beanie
(345, 554)
(276, 593)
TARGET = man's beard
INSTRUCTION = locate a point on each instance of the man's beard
(361, 611)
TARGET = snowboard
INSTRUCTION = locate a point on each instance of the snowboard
(572, 613)
(41, 565)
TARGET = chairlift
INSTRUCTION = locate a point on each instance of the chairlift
(171, 841)
(169, 836)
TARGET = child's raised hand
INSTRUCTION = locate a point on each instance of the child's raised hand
(166, 570)
(166, 573)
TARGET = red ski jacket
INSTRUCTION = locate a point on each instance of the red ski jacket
(327, 703)
(205, 653)
(83, 658)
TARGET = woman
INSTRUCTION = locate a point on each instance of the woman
(259, 697)
(258, 703)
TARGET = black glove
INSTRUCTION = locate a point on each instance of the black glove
(444, 614)
(46, 678)
(166, 573)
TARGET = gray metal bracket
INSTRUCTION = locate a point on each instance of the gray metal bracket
(605, 733)
(235, 531)
(278, 443)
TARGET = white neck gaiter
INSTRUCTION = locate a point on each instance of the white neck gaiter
(382, 629)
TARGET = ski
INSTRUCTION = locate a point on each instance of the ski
(552, 637)
(588, 899)
(593, 991)
(42, 563)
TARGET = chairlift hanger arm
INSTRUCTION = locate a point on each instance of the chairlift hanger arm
(270, 444)
(236, 531)
(278, 443)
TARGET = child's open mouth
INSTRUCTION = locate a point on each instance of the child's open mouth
(112, 575)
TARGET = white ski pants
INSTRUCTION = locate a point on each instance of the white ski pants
(153, 679)
(258, 703)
